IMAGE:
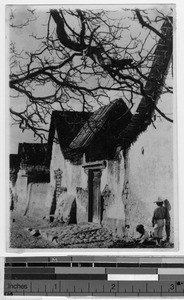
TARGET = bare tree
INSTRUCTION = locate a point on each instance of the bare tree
(86, 56)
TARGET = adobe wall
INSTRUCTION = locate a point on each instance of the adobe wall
(129, 186)
(111, 188)
(37, 206)
(32, 198)
(20, 192)
(65, 179)
(72, 175)
(113, 216)
(150, 174)
(74, 183)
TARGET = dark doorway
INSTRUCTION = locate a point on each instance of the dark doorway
(94, 205)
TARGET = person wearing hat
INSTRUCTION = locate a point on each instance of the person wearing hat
(159, 215)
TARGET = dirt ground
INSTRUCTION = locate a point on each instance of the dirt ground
(21, 238)
(53, 235)
(31, 233)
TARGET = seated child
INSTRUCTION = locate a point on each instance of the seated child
(144, 238)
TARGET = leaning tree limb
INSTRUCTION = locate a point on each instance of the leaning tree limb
(143, 116)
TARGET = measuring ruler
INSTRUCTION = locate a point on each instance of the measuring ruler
(94, 276)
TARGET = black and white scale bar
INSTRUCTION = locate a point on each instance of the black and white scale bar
(97, 261)
(56, 277)
(96, 265)
(86, 287)
(123, 276)
(95, 276)
(84, 270)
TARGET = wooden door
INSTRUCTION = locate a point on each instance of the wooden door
(94, 207)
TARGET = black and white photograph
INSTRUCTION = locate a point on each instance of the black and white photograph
(91, 126)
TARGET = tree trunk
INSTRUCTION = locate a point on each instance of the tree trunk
(153, 87)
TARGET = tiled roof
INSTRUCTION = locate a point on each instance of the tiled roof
(32, 154)
(115, 116)
(77, 131)
(67, 124)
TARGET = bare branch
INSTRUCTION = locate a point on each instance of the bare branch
(163, 115)
(144, 24)
(83, 57)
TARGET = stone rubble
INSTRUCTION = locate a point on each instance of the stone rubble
(38, 233)
(83, 236)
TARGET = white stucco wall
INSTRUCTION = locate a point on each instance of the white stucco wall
(150, 174)
(151, 171)
(113, 176)
(73, 175)
(21, 191)
(37, 206)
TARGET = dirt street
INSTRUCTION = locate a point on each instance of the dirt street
(31, 233)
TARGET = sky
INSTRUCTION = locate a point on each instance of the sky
(23, 40)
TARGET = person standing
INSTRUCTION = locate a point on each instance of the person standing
(159, 215)
(167, 220)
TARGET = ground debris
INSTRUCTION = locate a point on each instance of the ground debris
(131, 244)
(33, 233)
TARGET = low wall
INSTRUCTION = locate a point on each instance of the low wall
(37, 205)
(20, 189)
